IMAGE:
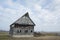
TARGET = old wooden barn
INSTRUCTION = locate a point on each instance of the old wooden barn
(23, 27)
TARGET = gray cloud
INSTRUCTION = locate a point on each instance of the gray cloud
(45, 13)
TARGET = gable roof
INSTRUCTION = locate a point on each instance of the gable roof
(25, 20)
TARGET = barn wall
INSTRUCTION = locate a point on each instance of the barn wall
(29, 28)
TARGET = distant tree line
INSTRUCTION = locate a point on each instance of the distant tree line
(37, 34)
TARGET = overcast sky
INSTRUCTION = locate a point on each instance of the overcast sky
(44, 13)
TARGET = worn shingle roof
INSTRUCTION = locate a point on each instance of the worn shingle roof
(25, 20)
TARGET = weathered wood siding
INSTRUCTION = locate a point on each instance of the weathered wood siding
(23, 29)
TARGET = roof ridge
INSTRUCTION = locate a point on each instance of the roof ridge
(26, 14)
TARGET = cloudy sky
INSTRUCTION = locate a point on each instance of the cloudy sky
(44, 13)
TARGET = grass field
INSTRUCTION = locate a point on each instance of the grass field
(4, 36)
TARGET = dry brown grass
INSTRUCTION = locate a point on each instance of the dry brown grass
(6, 37)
